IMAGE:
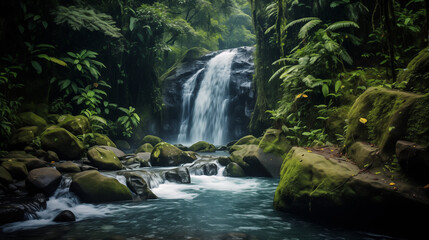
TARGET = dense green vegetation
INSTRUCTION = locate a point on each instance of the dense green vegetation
(102, 59)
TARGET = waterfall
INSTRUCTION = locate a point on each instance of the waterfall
(206, 118)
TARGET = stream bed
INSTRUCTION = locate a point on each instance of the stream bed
(211, 207)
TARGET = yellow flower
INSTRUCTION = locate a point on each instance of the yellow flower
(304, 95)
(363, 120)
(301, 95)
(309, 151)
(392, 184)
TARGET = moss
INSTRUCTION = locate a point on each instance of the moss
(5, 176)
(418, 122)
(234, 170)
(17, 170)
(274, 141)
(202, 146)
(165, 154)
(31, 119)
(153, 140)
(416, 74)
(336, 121)
(92, 187)
(147, 147)
(24, 136)
(385, 111)
(104, 159)
(237, 156)
(249, 139)
(75, 124)
(62, 142)
(101, 140)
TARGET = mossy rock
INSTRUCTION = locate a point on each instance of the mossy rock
(32, 119)
(383, 116)
(153, 140)
(234, 170)
(147, 147)
(101, 140)
(416, 75)
(17, 170)
(77, 125)
(336, 121)
(62, 142)
(275, 141)
(104, 159)
(202, 146)
(325, 188)
(92, 187)
(165, 154)
(23, 137)
(67, 167)
(246, 140)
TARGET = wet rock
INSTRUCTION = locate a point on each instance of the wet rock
(67, 167)
(45, 180)
(233, 170)
(104, 159)
(16, 209)
(165, 154)
(5, 176)
(203, 167)
(178, 175)
(224, 161)
(274, 141)
(31, 119)
(92, 187)
(101, 140)
(414, 160)
(23, 137)
(40, 153)
(51, 157)
(65, 216)
(62, 142)
(139, 186)
(365, 155)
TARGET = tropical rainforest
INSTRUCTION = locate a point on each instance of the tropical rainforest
(336, 110)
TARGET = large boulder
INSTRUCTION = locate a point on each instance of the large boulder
(5, 177)
(65, 216)
(153, 140)
(414, 160)
(203, 167)
(233, 170)
(337, 190)
(17, 170)
(67, 167)
(45, 180)
(383, 116)
(416, 75)
(139, 186)
(77, 125)
(146, 147)
(246, 140)
(118, 153)
(62, 142)
(101, 140)
(178, 175)
(23, 137)
(275, 141)
(30, 161)
(92, 187)
(31, 119)
(104, 159)
(165, 154)
(202, 146)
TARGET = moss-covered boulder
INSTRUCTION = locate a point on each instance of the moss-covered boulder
(92, 187)
(101, 140)
(67, 167)
(165, 154)
(383, 116)
(329, 189)
(147, 147)
(23, 137)
(5, 177)
(275, 141)
(234, 170)
(416, 75)
(31, 119)
(17, 170)
(77, 125)
(120, 154)
(62, 142)
(365, 155)
(246, 140)
(139, 186)
(202, 146)
(336, 121)
(153, 140)
(104, 159)
(45, 180)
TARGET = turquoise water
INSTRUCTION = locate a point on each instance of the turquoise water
(211, 207)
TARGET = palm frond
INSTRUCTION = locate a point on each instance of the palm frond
(303, 32)
(341, 24)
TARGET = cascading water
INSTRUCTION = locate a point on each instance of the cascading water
(208, 119)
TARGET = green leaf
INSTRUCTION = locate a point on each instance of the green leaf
(337, 85)
(133, 20)
(325, 90)
(79, 67)
(36, 65)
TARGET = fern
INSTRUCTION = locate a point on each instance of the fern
(301, 20)
(303, 32)
(86, 18)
